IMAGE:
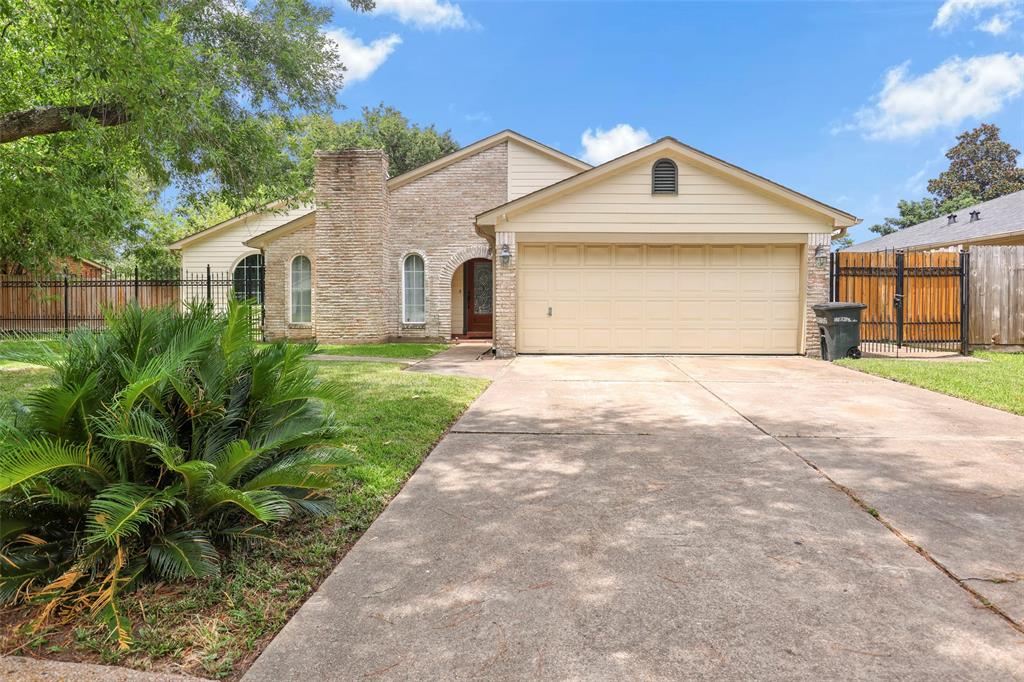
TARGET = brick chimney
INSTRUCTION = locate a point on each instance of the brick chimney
(352, 217)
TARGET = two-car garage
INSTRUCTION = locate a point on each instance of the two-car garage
(658, 298)
(662, 250)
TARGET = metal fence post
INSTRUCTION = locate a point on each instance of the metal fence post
(67, 304)
(965, 302)
(899, 298)
(136, 284)
(209, 286)
(833, 276)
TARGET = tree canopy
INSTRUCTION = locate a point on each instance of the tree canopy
(106, 104)
(408, 145)
(914, 212)
(981, 167)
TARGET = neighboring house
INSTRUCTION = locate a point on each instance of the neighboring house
(997, 222)
(72, 265)
(665, 249)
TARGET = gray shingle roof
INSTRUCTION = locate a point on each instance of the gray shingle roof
(998, 216)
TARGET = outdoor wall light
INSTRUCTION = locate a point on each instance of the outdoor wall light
(506, 254)
(821, 255)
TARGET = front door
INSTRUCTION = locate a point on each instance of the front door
(479, 286)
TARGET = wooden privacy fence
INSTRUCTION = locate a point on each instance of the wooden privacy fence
(916, 301)
(68, 302)
(997, 296)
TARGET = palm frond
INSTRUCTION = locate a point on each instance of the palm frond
(22, 462)
(185, 554)
(267, 506)
(311, 470)
(121, 510)
(234, 460)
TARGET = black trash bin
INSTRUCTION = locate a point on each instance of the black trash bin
(840, 329)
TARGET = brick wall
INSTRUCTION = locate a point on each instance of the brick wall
(505, 301)
(352, 215)
(816, 291)
(434, 216)
(277, 258)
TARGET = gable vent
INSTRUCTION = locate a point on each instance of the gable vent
(665, 177)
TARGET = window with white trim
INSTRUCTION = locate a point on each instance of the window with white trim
(413, 290)
(302, 293)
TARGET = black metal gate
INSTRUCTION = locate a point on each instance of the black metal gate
(917, 301)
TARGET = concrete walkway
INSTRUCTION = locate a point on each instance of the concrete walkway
(687, 517)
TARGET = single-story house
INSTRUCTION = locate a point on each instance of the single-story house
(997, 222)
(666, 249)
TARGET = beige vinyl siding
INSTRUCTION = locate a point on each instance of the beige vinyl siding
(457, 301)
(707, 202)
(223, 248)
(529, 170)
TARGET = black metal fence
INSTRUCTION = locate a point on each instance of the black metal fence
(67, 302)
(917, 301)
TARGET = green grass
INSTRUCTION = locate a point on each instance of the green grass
(998, 382)
(216, 628)
(414, 351)
(24, 348)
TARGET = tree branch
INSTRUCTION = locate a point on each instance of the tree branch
(15, 125)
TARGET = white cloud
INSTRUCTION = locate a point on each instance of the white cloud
(360, 59)
(435, 14)
(998, 24)
(604, 145)
(956, 90)
(952, 11)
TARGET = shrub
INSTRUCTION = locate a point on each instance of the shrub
(161, 442)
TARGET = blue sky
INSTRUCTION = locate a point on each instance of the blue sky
(852, 103)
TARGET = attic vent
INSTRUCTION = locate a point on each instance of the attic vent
(951, 218)
(665, 177)
(975, 215)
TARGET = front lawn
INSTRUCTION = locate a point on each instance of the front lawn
(217, 628)
(998, 382)
(25, 347)
(413, 351)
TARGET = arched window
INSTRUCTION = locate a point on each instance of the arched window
(302, 298)
(665, 177)
(248, 278)
(413, 290)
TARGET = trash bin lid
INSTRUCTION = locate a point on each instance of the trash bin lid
(839, 305)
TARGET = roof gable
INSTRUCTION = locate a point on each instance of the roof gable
(482, 145)
(664, 146)
(278, 210)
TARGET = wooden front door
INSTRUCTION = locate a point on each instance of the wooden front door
(479, 287)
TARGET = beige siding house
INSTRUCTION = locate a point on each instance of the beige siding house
(663, 250)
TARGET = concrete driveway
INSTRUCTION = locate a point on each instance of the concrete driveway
(687, 517)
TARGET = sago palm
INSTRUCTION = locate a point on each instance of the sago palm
(160, 442)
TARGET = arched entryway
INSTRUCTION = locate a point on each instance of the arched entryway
(473, 299)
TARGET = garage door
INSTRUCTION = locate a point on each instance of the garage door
(603, 298)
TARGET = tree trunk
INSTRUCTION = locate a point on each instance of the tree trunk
(48, 120)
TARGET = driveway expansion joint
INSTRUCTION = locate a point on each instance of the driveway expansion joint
(875, 514)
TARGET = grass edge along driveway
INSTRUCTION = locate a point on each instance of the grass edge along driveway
(217, 628)
(997, 382)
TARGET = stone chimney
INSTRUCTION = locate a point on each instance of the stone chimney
(352, 217)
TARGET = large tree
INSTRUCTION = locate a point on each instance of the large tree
(981, 165)
(107, 103)
(914, 212)
(408, 145)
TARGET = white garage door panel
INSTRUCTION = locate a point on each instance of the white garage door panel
(659, 298)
